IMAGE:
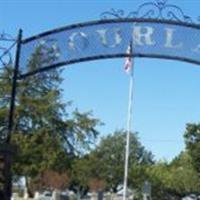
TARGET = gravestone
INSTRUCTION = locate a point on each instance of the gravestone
(56, 195)
(100, 195)
(146, 190)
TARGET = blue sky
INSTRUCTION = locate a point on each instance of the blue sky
(166, 93)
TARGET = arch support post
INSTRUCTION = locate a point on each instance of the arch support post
(7, 189)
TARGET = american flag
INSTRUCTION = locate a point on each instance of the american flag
(128, 61)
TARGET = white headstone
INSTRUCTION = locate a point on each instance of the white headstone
(14, 196)
(56, 195)
(36, 195)
(26, 193)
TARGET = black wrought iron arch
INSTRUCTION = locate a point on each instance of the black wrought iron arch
(112, 23)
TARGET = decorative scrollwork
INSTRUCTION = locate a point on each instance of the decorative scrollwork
(113, 14)
(159, 10)
(6, 37)
(7, 42)
(5, 57)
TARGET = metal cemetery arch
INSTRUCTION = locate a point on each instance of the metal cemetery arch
(153, 38)
(157, 30)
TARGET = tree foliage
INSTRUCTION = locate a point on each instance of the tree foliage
(192, 141)
(109, 156)
(174, 180)
(47, 135)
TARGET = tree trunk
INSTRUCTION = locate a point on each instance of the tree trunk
(28, 189)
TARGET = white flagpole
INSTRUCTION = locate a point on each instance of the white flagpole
(129, 119)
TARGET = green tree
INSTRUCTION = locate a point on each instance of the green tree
(47, 135)
(185, 177)
(85, 174)
(109, 156)
(173, 180)
(81, 173)
(192, 141)
(103, 167)
(158, 177)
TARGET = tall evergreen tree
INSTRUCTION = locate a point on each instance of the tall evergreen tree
(45, 133)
